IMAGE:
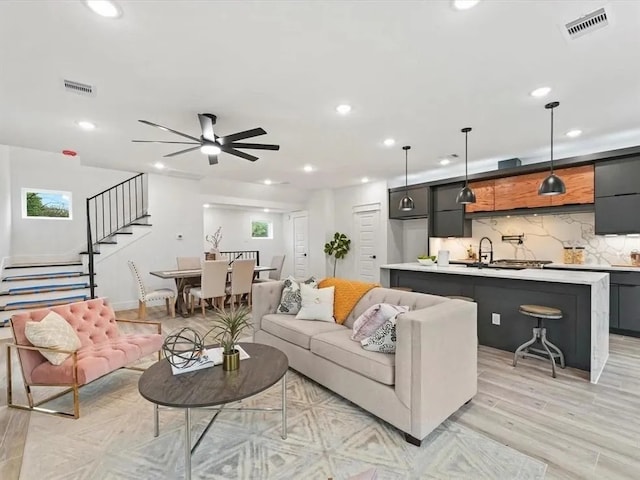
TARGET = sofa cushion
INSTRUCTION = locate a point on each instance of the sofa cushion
(98, 359)
(338, 348)
(298, 332)
(383, 339)
(373, 318)
(53, 331)
(317, 304)
(291, 297)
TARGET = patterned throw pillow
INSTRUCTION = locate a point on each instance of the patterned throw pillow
(317, 304)
(291, 299)
(383, 339)
(53, 331)
(373, 318)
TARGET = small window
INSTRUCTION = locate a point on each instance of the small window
(38, 203)
(261, 229)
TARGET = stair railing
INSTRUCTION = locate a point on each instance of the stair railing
(112, 210)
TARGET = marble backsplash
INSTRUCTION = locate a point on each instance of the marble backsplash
(544, 239)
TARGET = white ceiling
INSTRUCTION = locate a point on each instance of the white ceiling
(415, 71)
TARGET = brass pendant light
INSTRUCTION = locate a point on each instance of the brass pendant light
(406, 204)
(466, 195)
(552, 185)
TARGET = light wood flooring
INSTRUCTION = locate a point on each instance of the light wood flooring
(582, 431)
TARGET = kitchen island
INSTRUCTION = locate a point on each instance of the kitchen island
(582, 334)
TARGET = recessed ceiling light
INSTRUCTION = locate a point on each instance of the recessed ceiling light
(83, 124)
(445, 161)
(206, 205)
(104, 8)
(464, 4)
(574, 133)
(540, 92)
(389, 142)
(267, 182)
(364, 179)
(308, 168)
(343, 109)
(159, 165)
(209, 149)
(265, 210)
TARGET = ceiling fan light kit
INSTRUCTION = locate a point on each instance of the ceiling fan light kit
(466, 195)
(211, 144)
(406, 203)
(552, 185)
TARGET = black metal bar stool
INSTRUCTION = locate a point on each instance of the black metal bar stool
(540, 336)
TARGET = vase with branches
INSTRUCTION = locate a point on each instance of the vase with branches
(338, 248)
(228, 326)
(214, 240)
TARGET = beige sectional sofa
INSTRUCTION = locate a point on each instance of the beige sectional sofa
(432, 374)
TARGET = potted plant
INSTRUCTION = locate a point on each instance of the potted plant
(214, 240)
(228, 327)
(338, 248)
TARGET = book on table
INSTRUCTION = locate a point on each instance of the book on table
(210, 358)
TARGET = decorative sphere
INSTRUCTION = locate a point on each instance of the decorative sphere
(183, 348)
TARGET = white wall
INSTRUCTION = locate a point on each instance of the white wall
(414, 239)
(5, 204)
(321, 215)
(53, 171)
(236, 231)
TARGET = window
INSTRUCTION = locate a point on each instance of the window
(38, 203)
(261, 229)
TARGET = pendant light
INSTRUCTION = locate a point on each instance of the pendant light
(552, 185)
(406, 204)
(466, 195)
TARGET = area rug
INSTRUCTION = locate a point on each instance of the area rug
(327, 437)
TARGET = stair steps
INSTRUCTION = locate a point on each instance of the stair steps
(43, 265)
(49, 302)
(43, 276)
(36, 289)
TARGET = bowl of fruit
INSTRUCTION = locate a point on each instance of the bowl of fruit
(426, 259)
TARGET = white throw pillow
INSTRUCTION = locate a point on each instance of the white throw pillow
(291, 298)
(384, 338)
(317, 304)
(53, 331)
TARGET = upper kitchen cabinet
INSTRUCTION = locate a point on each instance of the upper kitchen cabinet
(520, 192)
(447, 218)
(420, 196)
(485, 196)
(617, 177)
(617, 196)
(580, 186)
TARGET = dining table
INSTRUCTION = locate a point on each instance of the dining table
(184, 277)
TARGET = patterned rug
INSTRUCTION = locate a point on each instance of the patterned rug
(327, 437)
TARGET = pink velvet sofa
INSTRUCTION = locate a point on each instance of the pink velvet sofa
(103, 350)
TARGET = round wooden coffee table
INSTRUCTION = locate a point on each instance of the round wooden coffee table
(214, 387)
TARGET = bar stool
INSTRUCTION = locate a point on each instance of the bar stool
(540, 335)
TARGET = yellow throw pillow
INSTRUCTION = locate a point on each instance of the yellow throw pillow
(53, 331)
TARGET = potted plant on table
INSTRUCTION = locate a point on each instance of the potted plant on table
(229, 325)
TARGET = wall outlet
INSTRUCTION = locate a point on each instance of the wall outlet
(495, 318)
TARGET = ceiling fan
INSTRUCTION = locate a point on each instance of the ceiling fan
(211, 144)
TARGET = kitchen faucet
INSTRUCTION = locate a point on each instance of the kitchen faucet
(481, 255)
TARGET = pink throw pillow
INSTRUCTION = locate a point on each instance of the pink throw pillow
(373, 318)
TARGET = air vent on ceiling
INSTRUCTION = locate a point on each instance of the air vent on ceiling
(587, 23)
(80, 88)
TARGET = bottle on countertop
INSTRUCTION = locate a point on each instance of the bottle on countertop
(471, 255)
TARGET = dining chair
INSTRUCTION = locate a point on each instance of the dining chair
(277, 261)
(241, 280)
(188, 263)
(213, 284)
(145, 295)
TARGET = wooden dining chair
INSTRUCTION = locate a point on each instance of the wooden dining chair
(241, 280)
(145, 295)
(188, 263)
(213, 284)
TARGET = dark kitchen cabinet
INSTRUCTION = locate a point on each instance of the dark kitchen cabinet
(629, 307)
(619, 214)
(614, 306)
(617, 177)
(420, 196)
(448, 218)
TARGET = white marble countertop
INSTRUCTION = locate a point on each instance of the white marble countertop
(535, 274)
(595, 266)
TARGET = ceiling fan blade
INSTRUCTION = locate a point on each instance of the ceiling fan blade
(213, 159)
(254, 132)
(256, 146)
(238, 153)
(170, 130)
(162, 141)
(182, 151)
(207, 121)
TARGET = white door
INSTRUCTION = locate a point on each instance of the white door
(367, 245)
(300, 246)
